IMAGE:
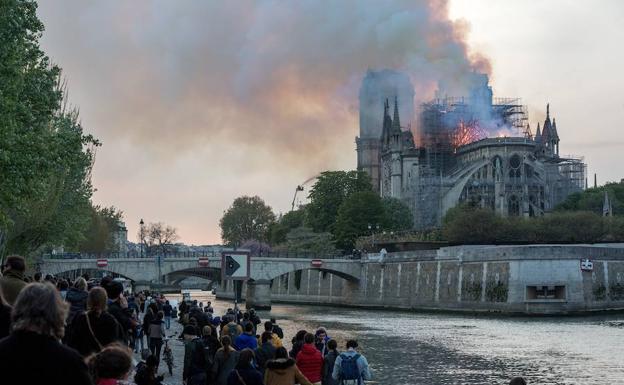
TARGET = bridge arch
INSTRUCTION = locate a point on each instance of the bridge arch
(92, 273)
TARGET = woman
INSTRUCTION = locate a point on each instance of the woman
(283, 371)
(225, 361)
(77, 298)
(112, 365)
(310, 360)
(297, 343)
(245, 373)
(95, 328)
(328, 363)
(156, 332)
(32, 354)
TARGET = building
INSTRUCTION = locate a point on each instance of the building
(477, 150)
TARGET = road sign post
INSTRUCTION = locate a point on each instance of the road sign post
(235, 266)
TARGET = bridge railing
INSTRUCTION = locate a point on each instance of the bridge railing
(191, 254)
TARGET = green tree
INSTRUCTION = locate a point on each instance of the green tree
(592, 199)
(45, 160)
(247, 218)
(465, 224)
(98, 237)
(303, 239)
(287, 222)
(397, 215)
(357, 212)
(329, 191)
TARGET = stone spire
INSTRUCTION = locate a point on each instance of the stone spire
(538, 134)
(607, 209)
(396, 122)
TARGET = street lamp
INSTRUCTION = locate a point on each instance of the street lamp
(142, 234)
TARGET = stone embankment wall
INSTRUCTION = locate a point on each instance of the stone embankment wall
(540, 279)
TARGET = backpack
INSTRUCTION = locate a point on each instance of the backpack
(350, 370)
(233, 331)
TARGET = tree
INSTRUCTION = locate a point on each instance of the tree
(329, 191)
(45, 160)
(159, 237)
(287, 222)
(303, 239)
(465, 224)
(256, 248)
(99, 233)
(247, 218)
(592, 199)
(397, 215)
(357, 212)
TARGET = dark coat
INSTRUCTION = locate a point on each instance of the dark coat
(264, 353)
(11, 284)
(328, 368)
(31, 358)
(105, 328)
(5, 320)
(250, 376)
(77, 302)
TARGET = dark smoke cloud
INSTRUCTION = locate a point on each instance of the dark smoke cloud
(269, 83)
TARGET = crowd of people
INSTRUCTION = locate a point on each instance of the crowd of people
(55, 331)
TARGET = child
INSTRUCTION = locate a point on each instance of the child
(112, 365)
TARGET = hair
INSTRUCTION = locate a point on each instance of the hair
(114, 361)
(80, 284)
(309, 338)
(300, 335)
(40, 308)
(245, 358)
(249, 327)
(207, 330)
(332, 344)
(160, 315)
(268, 326)
(321, 331)
(226, 341)
(281, 352)
(16, 262)
(114, 289)
(266, 337)
(96, 300)
(63, 285)
(37, 276)
(352, 344)
(517, 381)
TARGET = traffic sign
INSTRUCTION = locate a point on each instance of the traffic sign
(203, 261)
(235, 265)
(316, 263)
(102, 263)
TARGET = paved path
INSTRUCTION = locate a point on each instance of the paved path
(177, 347)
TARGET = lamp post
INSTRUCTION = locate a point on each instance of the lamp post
(142, 235)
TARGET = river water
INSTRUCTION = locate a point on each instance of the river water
(426, 348)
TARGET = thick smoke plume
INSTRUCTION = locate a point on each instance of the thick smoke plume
(249, 84)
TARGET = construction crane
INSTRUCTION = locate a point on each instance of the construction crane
(301, 188)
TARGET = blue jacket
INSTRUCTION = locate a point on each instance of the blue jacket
(246, 341)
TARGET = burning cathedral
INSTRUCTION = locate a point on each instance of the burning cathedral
(475, 149)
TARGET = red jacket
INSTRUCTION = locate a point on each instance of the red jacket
(310, 362)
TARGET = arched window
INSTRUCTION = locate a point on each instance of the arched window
(513, 206)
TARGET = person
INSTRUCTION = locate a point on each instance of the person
(112, 365)
(225, 361)
(33, 354)
(95, 328)
(194, 372)
(5, 317)
(283, 371)
(328, 363)
(13, 281)
(167, 311)
(208, 308)
(211, 344)
(156, 332)
(266, 351)
(321, 340)
(77, 299)
(247, 339)
(275, 339)
(277, 329)
(351, 367)
(118, 306)
(146, 371)
(310, 360)
(517, 381)
(297, 343)
(63, 286)
(37, 277)
(232, 329)
(245, 373)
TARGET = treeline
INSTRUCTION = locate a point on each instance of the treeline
(469, 225)
(342, 207)
(45, 157)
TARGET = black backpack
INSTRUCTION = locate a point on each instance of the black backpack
(350, 370)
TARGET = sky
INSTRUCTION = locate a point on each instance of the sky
(197, 103)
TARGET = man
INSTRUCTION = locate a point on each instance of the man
(276, 329)
(351, 368)
(275, 339)
(247, 339)
(266, 351)
(118, 307)
(231, 329)
(167, 308)
(12, 283)
(194, 372)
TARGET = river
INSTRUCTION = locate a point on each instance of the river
(406, 348)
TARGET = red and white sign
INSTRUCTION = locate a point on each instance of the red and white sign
(316, 263)
(203, 261)
(587, 265)
(102, 262)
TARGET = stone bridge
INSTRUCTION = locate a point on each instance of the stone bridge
(171, 269)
